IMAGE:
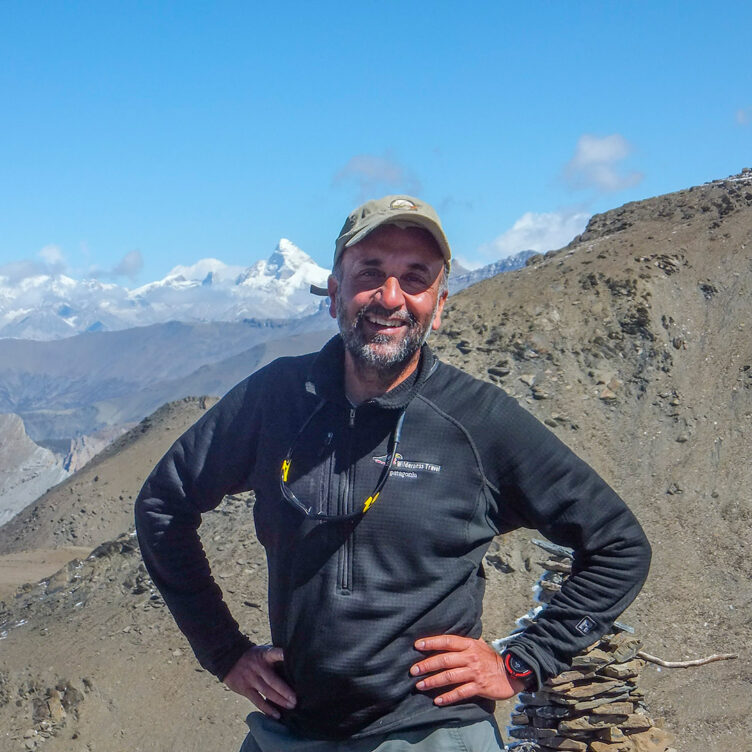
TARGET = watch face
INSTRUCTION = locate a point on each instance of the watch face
(517, 667)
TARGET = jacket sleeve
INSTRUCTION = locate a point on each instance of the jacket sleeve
(213, 458)
(542, 484)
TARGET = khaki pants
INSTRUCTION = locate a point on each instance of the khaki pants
(268, 735)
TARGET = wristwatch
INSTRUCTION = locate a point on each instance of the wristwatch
(518, 668)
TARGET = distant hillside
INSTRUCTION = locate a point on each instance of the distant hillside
(81, 384)
(26, 469)
(632, 343)
(96, 503)
(214, 378)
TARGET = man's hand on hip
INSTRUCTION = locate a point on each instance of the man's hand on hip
(474, 667)
(254, 677)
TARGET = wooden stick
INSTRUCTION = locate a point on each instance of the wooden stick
(685, 664)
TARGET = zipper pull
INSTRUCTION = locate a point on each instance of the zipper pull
(327, 444)
(352, 417)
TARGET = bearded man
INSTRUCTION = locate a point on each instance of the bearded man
(381, 475)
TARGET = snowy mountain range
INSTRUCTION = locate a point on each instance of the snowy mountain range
(46, 307)
(50, 307)
(461, 278)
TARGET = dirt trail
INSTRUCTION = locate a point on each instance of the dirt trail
(32, 566)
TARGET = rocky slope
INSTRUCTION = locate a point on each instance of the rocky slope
(84, 448)
(96, 503)
(632, 344)
(26, 469)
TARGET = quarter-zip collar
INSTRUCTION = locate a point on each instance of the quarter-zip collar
(327, 377)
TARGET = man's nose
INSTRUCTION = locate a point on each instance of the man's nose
(391, 293)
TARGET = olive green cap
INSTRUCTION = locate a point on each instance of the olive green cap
(403, 211)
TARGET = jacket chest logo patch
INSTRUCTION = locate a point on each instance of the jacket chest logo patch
(402, 468)
(586, 625)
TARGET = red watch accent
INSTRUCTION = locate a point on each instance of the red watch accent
(524, 675)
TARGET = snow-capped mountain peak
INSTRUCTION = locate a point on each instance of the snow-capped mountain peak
(288, 267)
(292, 255)
(51, 307)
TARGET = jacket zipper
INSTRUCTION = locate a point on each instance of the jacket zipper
(325, 490)
(347, 549)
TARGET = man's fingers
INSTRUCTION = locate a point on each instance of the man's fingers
(445, 678)
(438, 663)
(273, 686)
(275, 690)
(457, 694)
(270, 684)
(254, 677)
(472, 665)
(264, 687)
(443, 642)
(273, 655)
(258, 700)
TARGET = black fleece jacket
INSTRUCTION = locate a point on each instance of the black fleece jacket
(348, 600)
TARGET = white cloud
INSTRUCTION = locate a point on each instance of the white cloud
(16, 271)
(744, 116)
(595, 164)
(374, 176)
(52, 255)
(129, 266)
(537, 232)
(52, 263)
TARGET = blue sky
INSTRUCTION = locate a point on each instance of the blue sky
(139, 135)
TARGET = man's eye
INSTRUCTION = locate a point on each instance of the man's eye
(370, 275)
(414, 282)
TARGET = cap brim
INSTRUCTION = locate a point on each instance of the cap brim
(408, 217)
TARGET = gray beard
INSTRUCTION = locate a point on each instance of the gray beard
(386, 363)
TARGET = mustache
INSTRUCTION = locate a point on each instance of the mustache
(404, 316)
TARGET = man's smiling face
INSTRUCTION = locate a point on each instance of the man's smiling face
(387, 295)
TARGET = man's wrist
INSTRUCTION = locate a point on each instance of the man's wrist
(518, 669)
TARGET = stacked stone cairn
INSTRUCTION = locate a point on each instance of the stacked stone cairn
(595, 706)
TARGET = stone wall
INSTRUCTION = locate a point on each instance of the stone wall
(595, 706)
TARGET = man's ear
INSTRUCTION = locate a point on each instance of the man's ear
(332, 285)
(436, 323)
